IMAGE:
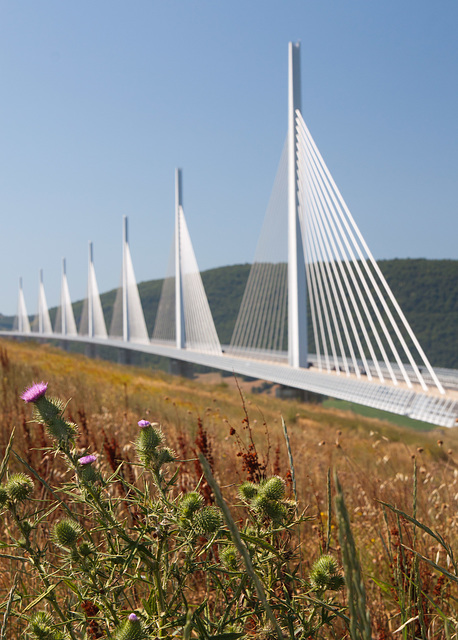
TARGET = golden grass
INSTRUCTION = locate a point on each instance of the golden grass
(374, 459)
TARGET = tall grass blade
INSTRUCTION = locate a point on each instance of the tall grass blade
(6, 615)
(329, 496)
(360, 626)
(6, 457)
(422, 526)
(290, 457)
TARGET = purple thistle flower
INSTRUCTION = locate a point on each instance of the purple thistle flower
(35, 392)
(144, 423)
(133, 617)
(87, 459)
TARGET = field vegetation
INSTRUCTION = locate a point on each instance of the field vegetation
(361, 498)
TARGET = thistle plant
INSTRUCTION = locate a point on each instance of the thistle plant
(131, 560)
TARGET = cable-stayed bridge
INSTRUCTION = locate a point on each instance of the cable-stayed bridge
(317, 313)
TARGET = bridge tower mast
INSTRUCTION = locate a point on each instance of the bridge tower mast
(63, 301)
(125, 297)
(90, 295)
(297, 303)
(179, 307)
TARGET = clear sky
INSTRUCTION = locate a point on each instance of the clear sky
(100, 101)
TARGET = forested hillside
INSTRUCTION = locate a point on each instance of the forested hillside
(427, 291)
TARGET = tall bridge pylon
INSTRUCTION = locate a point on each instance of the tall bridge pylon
(317, 312)
(297, 291)
(92, 322)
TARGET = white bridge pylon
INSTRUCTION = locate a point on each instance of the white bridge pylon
(317, 313)
(65, 320)
(92, 323)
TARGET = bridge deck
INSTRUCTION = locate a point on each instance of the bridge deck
(441, 410)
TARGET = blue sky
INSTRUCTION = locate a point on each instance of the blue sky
(102, 100)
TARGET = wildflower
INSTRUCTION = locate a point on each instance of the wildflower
(130, 629)
(48, 412)
(35, 392)
(87, 459)
(149, 439)
(88, 473)
(142, 424)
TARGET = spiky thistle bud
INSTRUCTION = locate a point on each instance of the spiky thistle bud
(325, 574)
(41, 625)
(149, 438)
(229, 557)
(164, 456)
(248, 491)
(208, 520)
(19, 487)
(48, 411)
(3, 495)
(85, 549)
(274, 488)
(190, 503)
(130, 629)
(66, 533)
(272, 509)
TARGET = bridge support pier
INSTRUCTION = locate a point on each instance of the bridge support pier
(181, 368)
(292, 393)
(90, 350)
(124, 356)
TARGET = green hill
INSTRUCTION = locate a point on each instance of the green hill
(427, 291)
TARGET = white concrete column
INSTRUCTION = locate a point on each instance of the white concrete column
(297, 301)
(179, 309)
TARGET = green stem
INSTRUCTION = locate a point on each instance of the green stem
(35, 560)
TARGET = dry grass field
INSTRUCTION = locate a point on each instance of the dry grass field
(235, 429)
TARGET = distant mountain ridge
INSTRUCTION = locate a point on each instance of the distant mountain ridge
(427, 291)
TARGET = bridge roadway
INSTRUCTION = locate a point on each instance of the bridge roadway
(415, 403)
